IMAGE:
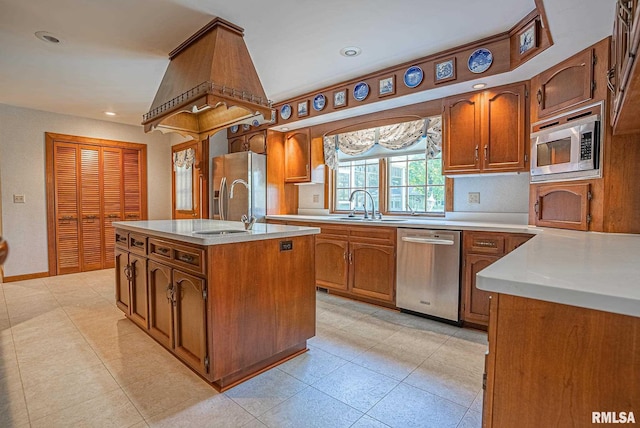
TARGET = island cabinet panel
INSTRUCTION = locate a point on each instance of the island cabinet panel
(190, 320)
(565, 362)
(160, 303)
(122, 280)
(264, 309)
(131, 286)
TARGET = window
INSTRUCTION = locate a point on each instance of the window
(184, 188)
(354, 175)
(412, 183)
(415, 184)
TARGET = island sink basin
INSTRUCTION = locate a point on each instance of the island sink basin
(219, 232)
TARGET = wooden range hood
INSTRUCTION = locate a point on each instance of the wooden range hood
(210, 84)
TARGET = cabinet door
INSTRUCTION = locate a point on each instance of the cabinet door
(331, 263)
(90, 222)
(160, 303)
(138, 284)
(66, 208)
(190, 320)
(504, 130)
(132, 183)
(513, 241)
(476, 301)
(112, 198)
(461, 151)
(373, 270)
(237, 144)
(122, 280)
(564, 206)
(297, 157)
(257, 142)
(567, 84)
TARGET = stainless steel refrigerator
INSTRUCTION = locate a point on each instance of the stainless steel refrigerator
(251, 200)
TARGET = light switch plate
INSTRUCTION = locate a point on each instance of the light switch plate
(316, 198)
(474, 197)
(18, 199)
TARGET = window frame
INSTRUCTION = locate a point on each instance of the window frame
(383, 196)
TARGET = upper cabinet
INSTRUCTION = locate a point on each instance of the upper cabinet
(624, 76)
(255, 142)
(576, 80)
(303, 158)
(486, 131)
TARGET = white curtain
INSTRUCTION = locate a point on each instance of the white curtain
(392, 137)
(183, 167)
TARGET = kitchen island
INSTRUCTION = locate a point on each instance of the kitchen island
(564, 331)
(227, 302)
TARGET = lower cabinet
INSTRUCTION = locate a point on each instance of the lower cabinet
(178, 313)
(481, 249)
(357, 261)
(131, 286)
(562, 205)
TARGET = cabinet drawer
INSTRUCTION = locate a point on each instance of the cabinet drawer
(333, 230)
(373, 234)
(484, 244)
(122, 238)
(189, 258)
(138, 243)
(160, 250)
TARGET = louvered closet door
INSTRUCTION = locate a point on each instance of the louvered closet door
(66, 208)
(132, 184)
(112, 199)
(90, 218)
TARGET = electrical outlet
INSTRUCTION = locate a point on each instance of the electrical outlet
(474, 197)
(316, 198)
(18, 199)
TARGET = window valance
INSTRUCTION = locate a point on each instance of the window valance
(184, 159)
(384, 141)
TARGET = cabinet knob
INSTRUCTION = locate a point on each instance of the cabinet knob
(539, 96)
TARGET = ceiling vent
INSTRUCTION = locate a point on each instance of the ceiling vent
(210, 84)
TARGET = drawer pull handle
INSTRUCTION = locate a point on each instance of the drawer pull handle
(187, 258)
(132, 216)
(162, 250)
(138, 244)
(121, 238)
(486, 244)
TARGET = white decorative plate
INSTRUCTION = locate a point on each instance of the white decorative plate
(234, 129)
(361, 91)
(413, 76)
(480, 60)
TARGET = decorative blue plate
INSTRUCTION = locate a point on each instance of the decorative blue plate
(361, 91)
(255, 122)
(319, 102)
(480, 60)
(285, 111)
(234, 129)
(413, 76)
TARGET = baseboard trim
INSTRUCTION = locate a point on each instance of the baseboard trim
(24, 277)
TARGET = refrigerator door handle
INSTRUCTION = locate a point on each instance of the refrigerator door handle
(222, 197)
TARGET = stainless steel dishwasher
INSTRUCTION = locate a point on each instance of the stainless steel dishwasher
(428, 272)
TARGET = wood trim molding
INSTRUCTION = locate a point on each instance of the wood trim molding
(24, 277)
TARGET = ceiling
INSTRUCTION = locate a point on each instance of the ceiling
(113, 53)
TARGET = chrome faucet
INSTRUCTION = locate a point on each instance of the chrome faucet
(364, 206)
(247, 220)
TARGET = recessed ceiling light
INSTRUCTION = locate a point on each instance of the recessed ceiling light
(350, 51)
(47, 37)
(109, 113)
(479, 85)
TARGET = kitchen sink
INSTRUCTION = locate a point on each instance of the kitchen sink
(219, 232)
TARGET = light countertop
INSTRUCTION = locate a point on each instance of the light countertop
(188, 230)
(586, 269)
(411, 222)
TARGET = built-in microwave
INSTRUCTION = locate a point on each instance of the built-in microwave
(567, 147)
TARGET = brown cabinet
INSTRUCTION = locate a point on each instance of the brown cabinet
(238, 144)
(256, 142)
(372, 270)
(486, 131)
(160, 303)
(303, 158)
(481, 249)
(332, 266)
(624, 76)
(131, 286)
(562, 205)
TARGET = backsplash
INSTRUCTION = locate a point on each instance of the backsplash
(503, 193)
(310, 197)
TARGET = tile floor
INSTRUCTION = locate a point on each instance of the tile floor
(69, 358)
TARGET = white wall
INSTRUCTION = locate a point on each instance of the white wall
(218, 145)
(22, 171)
(501, 193)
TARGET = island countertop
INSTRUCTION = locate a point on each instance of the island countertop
(213, 232)
(585, 269)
